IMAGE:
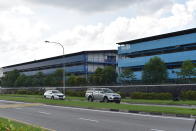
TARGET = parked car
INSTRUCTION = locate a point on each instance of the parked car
(102, 95)
(54, 94)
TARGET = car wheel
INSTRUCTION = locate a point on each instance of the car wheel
(105, 100)
(45, 97)
(90, 99)
(52, 97)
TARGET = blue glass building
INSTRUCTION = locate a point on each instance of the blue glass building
(173, 48)
(80, 63)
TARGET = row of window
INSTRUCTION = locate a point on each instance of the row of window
(173, 65)
(170, 49)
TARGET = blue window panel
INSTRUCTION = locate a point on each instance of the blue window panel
(71, 69)
(167, 58)
(161, 43)
(70, 59)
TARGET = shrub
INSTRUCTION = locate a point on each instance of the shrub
(188, 95)
(29, 92)
(75, 93)
(123, 94)
(159, 96)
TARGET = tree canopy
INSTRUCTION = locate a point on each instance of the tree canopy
(154, 71)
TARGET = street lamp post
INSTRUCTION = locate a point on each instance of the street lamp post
(62, 60)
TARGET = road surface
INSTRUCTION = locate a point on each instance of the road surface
(77, 119)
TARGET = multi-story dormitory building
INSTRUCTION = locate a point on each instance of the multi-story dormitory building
(80, 63)
(172, 48)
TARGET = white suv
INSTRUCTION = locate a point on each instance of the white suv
(54, 94)
(102, 95)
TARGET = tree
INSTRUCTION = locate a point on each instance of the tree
(38, 80)
(20, 81)
(187, 71)
(97, 77)
(9, 79)
(80, 81)
(154, 71)
(58, 78)
(127, 76)
(109, 75)
(72, 80)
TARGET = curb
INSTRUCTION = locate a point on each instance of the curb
(151, 113)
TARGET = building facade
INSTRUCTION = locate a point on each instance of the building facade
(80, 63)
(173, 48)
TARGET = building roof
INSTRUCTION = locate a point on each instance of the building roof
(66, 55)
(151, 38)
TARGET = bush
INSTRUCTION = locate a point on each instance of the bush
(159, 96)
(29, 92)
(75, 93)
(123, 94)
(188, 95)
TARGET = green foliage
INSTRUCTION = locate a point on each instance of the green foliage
(97, 77)
(106, 76)
(81, 81)
(9, 79)
(188, 95)
(58, 77)
(75, 93)
(72, 80)
(127, 76)
(76, 80)
(20, 81)
(123, 94)
(109, 75)
(7, 125)
(29, 92)
(154, 71)
(187, 71)
(158, 96)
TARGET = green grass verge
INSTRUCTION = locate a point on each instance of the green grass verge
(128, 100)
(161, 102)
(10, 125)
(97, 105)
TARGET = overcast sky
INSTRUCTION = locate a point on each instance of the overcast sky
(84, 24)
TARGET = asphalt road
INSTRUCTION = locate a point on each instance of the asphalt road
(76, 119)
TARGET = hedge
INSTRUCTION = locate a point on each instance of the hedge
(188, 95)
(159, 96)
(75, 93)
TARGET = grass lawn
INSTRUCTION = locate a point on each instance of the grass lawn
(97, 105)
(161, 102)
(9, 125)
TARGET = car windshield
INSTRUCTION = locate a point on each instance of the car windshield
(108, 91)
(55, 92)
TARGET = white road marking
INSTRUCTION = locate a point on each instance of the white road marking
(156, 130)
(89, 120)
(46, 113)
(124, 113)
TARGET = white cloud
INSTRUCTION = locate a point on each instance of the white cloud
(22, 33)
(105, 36)
(19, 34)
(91, 6)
